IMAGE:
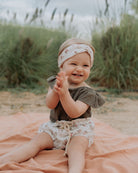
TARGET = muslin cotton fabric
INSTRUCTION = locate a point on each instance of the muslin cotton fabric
(111, 152)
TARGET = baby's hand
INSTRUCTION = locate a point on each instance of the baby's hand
(61, 83)
(60, 78)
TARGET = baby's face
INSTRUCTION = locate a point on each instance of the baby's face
(77, 68)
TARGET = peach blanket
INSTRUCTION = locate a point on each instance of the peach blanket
(112, 152)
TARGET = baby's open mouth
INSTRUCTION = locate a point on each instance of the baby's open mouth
(77, 74)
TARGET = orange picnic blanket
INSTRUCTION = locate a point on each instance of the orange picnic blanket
(112, 152)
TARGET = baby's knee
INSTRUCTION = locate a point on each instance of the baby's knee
(42, 141)
(78, 143)
(81, 141)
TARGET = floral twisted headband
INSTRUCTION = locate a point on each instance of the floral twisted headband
(73, 50)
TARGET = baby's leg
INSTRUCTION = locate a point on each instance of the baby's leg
(76, 154)
(30, 149)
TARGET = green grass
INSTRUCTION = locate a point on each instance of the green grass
(116, 63)
(28, 55)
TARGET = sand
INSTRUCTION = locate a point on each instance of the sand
(121, 112)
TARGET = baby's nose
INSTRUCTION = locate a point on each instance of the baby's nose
(79, 68)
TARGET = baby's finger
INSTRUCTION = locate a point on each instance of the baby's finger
(58, 78)
(56, 88)
(59, 82)
(61, 73)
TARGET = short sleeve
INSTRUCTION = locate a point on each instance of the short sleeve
(91, 97)
(51, 81)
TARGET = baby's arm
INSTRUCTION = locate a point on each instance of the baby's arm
(73, 108)
(52, 99)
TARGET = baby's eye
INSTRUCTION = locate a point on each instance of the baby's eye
(85, 65)
(73, 64)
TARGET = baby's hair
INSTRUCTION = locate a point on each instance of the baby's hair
(71, 41)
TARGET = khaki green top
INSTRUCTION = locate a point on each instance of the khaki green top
(84, 94)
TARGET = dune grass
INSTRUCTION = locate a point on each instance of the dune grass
(28, 54)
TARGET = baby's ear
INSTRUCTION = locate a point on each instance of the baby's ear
(61, 67)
